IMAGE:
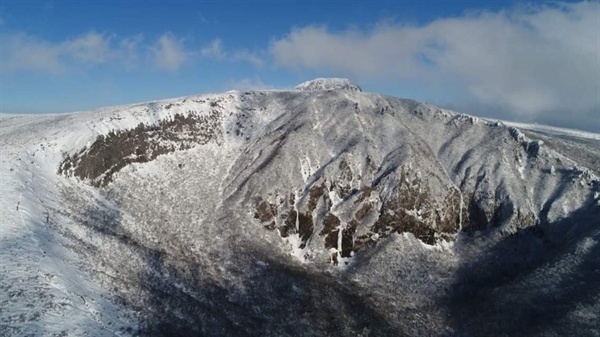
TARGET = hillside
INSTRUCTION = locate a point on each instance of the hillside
(319, 211)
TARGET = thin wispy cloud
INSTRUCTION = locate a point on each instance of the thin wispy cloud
(254, 59)
(92, 47)
(216, 50)
(169, 52)
(249, 84)
(213, 49)
(528, 60)
(129, 50)
(23, 52)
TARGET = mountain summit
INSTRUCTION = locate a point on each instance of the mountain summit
(319, 211)
(329, 84)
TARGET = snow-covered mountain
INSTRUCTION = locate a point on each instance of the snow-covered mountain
(318, 211)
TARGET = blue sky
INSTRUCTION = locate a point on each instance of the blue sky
(524, 61)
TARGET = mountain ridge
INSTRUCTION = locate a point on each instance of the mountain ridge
(333, 187)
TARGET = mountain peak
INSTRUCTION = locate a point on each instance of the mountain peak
(188, 214)
(328, 84)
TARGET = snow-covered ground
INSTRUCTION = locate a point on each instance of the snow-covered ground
(554, 131)
(310, 212)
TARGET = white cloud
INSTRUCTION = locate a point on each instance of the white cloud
(129, 50)
(531, 60)
(92, 47)
(23, 52)
(249, 84)
(169, 52)
(214, 49)
(246, 56)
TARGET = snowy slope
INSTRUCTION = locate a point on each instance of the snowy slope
(317, 211)
(555, 131)
(583, 147)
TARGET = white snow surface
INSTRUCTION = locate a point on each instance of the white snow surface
(553, 130)
(76, 260)
(328, 84)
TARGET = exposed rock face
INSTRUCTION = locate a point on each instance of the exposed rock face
(109, 154)
(410, 208)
